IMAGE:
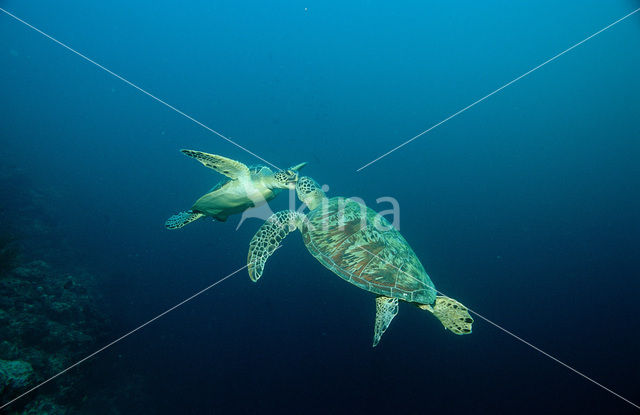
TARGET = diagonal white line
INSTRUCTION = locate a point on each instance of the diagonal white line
(121, 338)
(555, 359)
(138, 88)
(496, 91)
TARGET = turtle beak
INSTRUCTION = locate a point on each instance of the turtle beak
(293, 179)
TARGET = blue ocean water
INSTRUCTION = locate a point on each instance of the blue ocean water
(524, 208)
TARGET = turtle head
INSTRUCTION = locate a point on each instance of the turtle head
(286, 179)
(309, 192)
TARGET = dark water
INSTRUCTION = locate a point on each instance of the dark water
(525, 207)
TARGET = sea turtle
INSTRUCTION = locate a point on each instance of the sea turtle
(244, 188)
(362, 248)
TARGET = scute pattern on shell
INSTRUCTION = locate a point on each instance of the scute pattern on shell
(364, 249)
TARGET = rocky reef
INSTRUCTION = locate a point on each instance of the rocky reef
(51, 312)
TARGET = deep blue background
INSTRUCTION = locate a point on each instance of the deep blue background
(524, 207)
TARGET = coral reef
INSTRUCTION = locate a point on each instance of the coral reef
(14, 375)
(48, 321)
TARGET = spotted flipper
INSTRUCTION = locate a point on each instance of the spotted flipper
(268, 239)
(177, 221)
(222, 165)
(452, 314)
(386, 310)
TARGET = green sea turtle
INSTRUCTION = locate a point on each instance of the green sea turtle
(244, 188)
(362, 248)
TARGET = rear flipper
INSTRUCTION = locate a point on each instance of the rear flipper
(452, 314)
(386, 310)
(177, 221)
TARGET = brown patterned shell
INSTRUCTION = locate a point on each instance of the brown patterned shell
(363, 248)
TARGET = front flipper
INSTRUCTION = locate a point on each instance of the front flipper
(386, 310)
(177, 221)
(298, 166)
(452, 314)
(268, 238)
(222, 165)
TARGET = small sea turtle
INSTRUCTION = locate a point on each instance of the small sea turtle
(244, 188)
(362, 248)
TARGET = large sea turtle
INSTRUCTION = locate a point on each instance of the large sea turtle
(244, 188)
(362, 248)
